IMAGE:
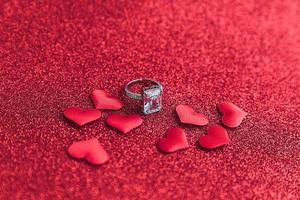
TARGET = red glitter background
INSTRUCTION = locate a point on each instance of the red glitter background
(53, 54)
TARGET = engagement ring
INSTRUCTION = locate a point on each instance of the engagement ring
(151, 96)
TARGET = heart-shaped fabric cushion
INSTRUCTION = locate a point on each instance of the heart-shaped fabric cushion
(175, 140)
(81, 116)
(124, 123)
(188, 115)
(103, 100)
(91, 150)
(232, 114)
(216, 136)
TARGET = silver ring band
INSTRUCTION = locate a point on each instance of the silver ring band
(136, 95)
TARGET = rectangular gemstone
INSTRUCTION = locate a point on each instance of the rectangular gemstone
(152, 99)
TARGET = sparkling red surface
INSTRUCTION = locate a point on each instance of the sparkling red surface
(53, 54)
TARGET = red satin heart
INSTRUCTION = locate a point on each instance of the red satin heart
(188, 115)
(175, 140)
(91, 150)
(216, 136)
(124, 123)
(81, 116)
(232, 114)
(103, 100)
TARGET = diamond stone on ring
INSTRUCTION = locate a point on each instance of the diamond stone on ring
(151, 96)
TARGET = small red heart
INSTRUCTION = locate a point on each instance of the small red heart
(81, 116)
(232, 114)
(216, 136)
(103, 100)
(91, 150)
(124, 123)
(175, 140)
(188, 115)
